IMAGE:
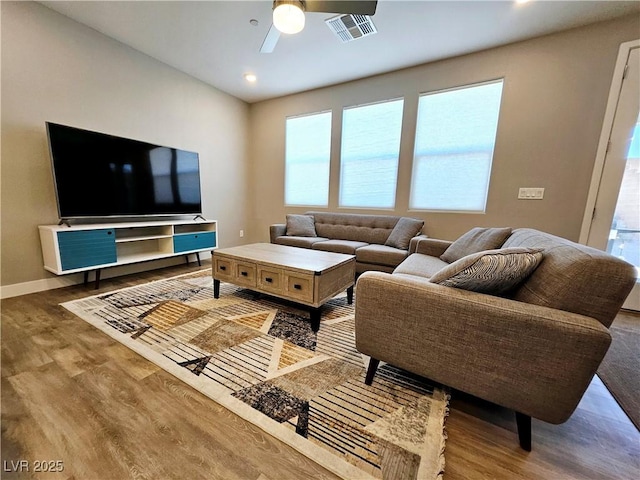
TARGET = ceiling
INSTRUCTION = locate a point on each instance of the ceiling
(214, 41)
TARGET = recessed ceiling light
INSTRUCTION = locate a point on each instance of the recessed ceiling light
(522, 1)
(250, 77)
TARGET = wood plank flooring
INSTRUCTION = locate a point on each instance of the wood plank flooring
(71, 393)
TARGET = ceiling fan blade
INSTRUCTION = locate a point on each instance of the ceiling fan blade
(361, 7)
(270, 40)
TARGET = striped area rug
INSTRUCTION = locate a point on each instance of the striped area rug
(258, 356)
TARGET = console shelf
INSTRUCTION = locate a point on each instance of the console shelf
(82, 248)
(138, 239)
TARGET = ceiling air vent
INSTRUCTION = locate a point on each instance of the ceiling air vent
(350, 27)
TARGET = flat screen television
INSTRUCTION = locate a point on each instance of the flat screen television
(98, 175)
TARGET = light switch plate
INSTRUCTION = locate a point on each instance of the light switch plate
(530, 193)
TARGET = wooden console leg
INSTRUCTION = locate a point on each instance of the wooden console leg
(97, 286)
(86, 277)
(350, 295)
(371, 371)
(198, 258)
(216, 288)
(524, 430)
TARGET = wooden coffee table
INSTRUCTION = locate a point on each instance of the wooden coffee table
(308, 277)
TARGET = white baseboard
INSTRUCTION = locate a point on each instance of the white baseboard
(25, 288)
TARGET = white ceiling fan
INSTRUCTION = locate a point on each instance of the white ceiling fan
(352, 21)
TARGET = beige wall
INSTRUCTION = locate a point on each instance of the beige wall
(554, 97)
(54, 69)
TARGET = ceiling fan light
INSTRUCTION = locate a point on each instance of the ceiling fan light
(288, 17)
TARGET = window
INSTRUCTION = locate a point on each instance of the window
(307, 154)
(455, 136)
(369, 155)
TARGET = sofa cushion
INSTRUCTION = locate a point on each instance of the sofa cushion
(374, 229)
(304, 242)
(477, 239)
(573, 276)
(420, 265)
(300, 226)
(495, 272)
(403, 232)
(339, 246)
(381, 255)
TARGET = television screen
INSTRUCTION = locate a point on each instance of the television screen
(99, 175)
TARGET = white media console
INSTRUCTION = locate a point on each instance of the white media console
(83, 248)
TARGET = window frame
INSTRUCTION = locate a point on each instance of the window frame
(400, 98)
(302, 115)
(411, 208)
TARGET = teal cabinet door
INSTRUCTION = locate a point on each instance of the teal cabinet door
(194, 241)
(87, 248)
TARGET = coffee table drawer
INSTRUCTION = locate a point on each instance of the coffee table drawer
(222, 268)
(270, 279)
(299, 286)
(245, 274)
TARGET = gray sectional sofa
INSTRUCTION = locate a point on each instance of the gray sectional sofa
(379, 242)
(532, 347)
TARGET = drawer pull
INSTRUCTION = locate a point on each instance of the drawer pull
(268, 280)
(297, 286)
(244, 274)
(223, 268)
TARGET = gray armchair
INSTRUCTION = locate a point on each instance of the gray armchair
(535, 352)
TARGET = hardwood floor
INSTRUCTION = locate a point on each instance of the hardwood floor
(72, 394)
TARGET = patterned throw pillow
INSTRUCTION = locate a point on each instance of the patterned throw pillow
(475, 240)
(403, 232)
(494, 272)
(301, 226)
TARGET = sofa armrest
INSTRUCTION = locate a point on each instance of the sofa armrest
(432, 246)
(532, 359)
(277, 230)
(413, 243)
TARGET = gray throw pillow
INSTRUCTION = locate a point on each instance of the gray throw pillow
(301, 226)
(475, 240)
(494, 272)
(403, 232)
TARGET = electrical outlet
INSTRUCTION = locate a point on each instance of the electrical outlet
(241, 233)
(531, 193)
